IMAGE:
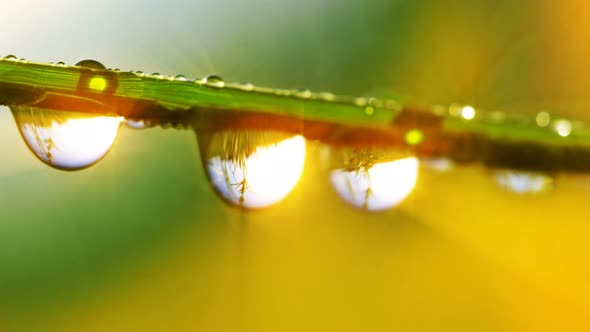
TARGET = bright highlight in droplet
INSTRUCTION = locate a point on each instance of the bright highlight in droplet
(414, 137)
(380, 187)
(563, 128)
(97, 84)
(263, 178)
(468, 113)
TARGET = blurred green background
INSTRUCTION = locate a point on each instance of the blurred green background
(139, 242)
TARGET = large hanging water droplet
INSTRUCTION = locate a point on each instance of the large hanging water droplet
(214, 81)
(93, 64)
(374, 181)
(66, 140)
(253, 169)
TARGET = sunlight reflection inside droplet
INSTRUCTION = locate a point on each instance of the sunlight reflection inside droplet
(263, 178)
(67, 143)
(380, 187)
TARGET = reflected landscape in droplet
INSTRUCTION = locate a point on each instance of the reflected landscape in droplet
(376, 185)
(253, 169)
(66, 140)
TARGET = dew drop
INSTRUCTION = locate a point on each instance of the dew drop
(303, 93)
(180, 78)
(137, 124)
(213, 81)
(369, 110)
(252, 169)
(139, 73)
(10, 57)
(60, 64)
(157, 75)
(360, 101)
(378, 187)
(246, 86)
(468, 113)
(66, 140)
(92, 64)
(524, 182)
(562, 127)
(327, 96)
(373, 180)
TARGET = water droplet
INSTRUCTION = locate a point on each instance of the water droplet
(60, 64)
(214, 81)
(360, 101)
(327, 96)
(246, 86)
(92, 64)
(543, 119)
(524, 182)
(181, 78)
(303, 93)
(563, 127)
(10, 57)
(377, 186)
(369, 110)
(66, 140)
(139, 73)
(372, 179)
(468, 113)
(157, 75)
(137, 124)
(252, 169)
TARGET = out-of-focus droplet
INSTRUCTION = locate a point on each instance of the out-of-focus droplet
(360, 101)
(562, 127)
(253, 169)
(524, 182)
(374, 180)
(303, 93)
(66, 140)
(246, 86)
(468, 113)
(327, 96)
(137, 124)
(214, 81)
(543, 119)
(92, 64)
